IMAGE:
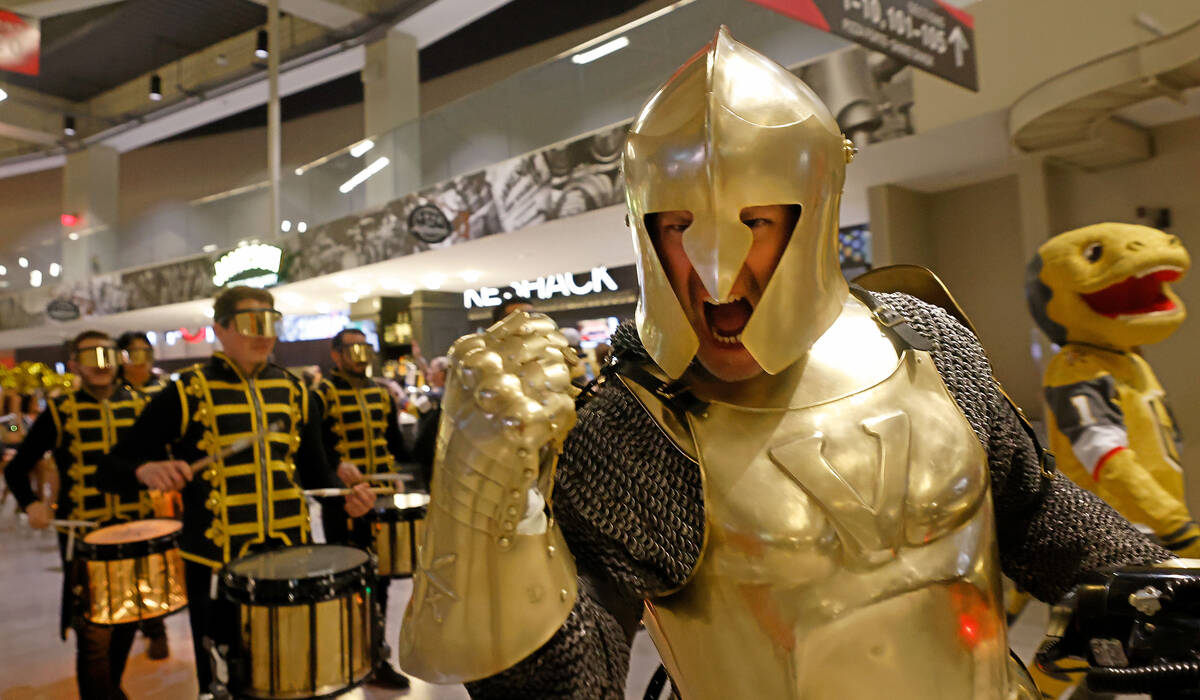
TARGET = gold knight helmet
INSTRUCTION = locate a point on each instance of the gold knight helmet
(732, 129)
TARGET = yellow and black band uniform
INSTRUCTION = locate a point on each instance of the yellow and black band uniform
(79, 429)
(359, 427)
(244, 502)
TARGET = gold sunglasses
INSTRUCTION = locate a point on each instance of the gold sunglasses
(99, 357)
(358, 352)
(139, 356)
(257, 322)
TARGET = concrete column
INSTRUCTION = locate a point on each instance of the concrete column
(90, 191)
(391, 107)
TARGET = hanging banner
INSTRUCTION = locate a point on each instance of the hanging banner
(929, 34)
(20, 43)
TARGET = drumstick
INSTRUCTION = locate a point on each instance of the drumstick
(73, 523)
(384, 477)
(230, 449)
(322, 493)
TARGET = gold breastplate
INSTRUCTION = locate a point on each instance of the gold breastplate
(850, 549)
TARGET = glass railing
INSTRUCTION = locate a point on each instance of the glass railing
(550, 103)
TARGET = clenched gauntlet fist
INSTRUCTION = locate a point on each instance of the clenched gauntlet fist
(494, 579)
(509, 404)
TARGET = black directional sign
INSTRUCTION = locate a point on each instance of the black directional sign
(929, 34)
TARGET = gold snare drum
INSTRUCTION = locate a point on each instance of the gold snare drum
(134, 572)
(305, 621)
(397, 525)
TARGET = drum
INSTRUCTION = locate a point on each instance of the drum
(133, 571)
(305, 621)
(397, 525)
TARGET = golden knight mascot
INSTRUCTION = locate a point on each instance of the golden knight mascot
(805, 489)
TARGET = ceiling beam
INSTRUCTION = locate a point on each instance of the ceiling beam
(327, 13)
(442, 18)
(49, 8)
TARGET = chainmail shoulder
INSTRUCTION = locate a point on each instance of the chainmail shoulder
(587, 659)
(629, 501)
(1051, 532)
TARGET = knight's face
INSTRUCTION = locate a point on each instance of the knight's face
(719, 326)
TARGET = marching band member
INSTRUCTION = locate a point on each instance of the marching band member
(257, 427)
(79, 428)
(362, 437)
(138, 375)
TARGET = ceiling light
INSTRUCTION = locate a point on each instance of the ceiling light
(210, 248)
(55, 269)
(155, 88)
(260, 46)
(35, 278)
(23, 261)
(209, 312)
(285, 225)
(69, 125)
(3, 270)
(361, 147)
(362, 291)
(600, 51)
(434, 281)
(322, 308)
(302, 226)
(73, 236)
(470, 275)
(3, 95)
(350, 297)
(363, 174)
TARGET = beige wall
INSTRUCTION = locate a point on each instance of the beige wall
(969, 236)
(1021, 43)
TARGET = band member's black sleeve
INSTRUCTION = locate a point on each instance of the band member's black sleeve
(41, 439)
(395, 441)
(312, 466)
(329, 439)
(159, 425)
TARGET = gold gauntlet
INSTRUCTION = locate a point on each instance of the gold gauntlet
(494, 579)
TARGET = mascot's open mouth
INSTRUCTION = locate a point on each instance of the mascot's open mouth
(1135, 295)
(727, 321)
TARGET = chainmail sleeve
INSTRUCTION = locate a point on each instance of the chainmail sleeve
(630, 505)
(1050, 532)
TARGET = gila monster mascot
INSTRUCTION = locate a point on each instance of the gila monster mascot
(1101, 292)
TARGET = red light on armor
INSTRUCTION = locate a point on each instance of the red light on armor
(968, 629)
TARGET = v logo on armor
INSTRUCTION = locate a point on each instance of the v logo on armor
(865, 505)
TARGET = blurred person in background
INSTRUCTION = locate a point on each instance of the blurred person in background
(73, 428)
(137, 371)
(429, 405)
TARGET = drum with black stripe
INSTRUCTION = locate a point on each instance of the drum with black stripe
(304, 620)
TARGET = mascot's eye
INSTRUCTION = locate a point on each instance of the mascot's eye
(1093, 252)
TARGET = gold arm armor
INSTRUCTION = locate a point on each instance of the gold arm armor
(494, 578)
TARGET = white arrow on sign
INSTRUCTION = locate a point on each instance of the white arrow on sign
(959, 41)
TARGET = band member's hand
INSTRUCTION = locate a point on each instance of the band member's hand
(39, 515)
(167, 475)
(360, 500)
(349, 474)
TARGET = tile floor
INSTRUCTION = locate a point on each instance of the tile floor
(36, 665)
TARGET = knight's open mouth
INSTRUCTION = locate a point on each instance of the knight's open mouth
(727, 320)
(1135, 295)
